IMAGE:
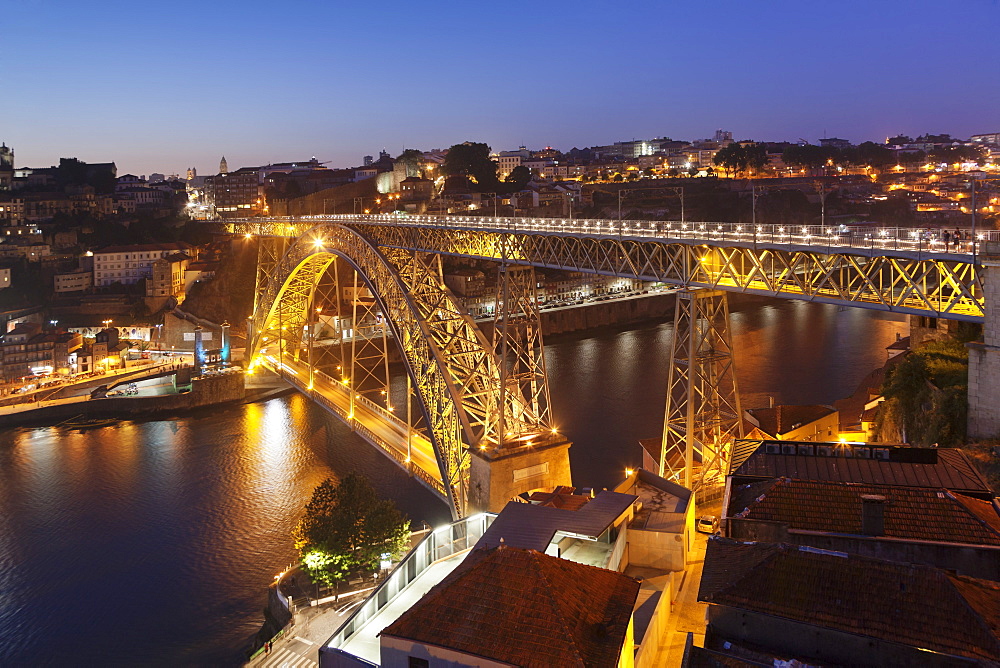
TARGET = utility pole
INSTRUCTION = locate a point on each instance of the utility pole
(821, 189)
(680, 191)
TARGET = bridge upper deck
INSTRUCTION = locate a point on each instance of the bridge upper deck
(864, 240)
(893, 269)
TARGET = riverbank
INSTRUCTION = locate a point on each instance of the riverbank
(206, 391)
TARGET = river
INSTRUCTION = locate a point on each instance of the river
(152, 542)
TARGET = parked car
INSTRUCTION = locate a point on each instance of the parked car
(707, 524)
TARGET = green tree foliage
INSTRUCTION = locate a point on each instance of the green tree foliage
(899, 140)
(739, 158)
(874, 155)
(517, 179)
(936, 139)
(954, 154)
(411, 157)
(346, 530)
(926, 396)
(808, 156)
(472, 160)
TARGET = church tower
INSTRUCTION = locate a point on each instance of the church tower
(223, 167)
(6, 157)
(6, 167)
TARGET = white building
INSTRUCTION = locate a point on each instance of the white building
(129, 264)
(75, 281)
(508, 160)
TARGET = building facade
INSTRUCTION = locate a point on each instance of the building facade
(129, 264)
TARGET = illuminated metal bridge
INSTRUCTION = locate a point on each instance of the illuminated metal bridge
(490, 394)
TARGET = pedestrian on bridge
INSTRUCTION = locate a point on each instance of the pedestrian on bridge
(958, 239)
(947, 240)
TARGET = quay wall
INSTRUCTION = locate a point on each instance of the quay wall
(209, 391)
(608, 313)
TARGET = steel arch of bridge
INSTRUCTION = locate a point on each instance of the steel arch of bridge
(455, 374)
(935, 284)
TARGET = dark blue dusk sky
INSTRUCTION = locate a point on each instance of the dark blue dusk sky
(164, 86)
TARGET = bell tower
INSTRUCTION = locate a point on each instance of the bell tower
(223, 167)
(6, 166)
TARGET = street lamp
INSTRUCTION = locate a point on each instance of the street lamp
(495, 196)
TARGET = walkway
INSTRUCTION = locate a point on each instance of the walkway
(364, 642)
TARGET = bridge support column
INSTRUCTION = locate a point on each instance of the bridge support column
(703, 413)
(498, 476)
(984, 361)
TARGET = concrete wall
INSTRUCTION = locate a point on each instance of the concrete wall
(611, 312)
(496, 480)
(208, 391)
(653, 650)
(654, 549)
(396, 653)
(822, 644)
(827, 428)
(984, 362)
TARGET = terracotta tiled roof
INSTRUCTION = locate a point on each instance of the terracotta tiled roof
(918, 606)
(910, 512)
(525, 608)
(949, 468)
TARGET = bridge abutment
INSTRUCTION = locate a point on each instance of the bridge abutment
(499, 476)
(984, 361)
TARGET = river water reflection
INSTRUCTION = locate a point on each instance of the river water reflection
(152, 542)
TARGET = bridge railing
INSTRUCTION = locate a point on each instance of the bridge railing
(364, 431)
(442, 543)
(829, 237)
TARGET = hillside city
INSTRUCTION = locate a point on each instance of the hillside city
(82, 244)
(115, 286)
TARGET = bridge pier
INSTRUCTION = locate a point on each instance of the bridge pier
(498, 475)
(984, 361)
(703, 413)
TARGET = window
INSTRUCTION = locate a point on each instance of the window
(416, 662)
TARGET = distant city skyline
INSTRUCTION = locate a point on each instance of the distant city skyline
(264, 83)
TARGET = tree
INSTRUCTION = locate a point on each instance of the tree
(874, 155)
(516, 180)
(347, 529)
(953, 154)
(936, 139)
(809, 156)
(472, 160)
(926, 396)
(411, 157)
(899, 140)
(737, 157)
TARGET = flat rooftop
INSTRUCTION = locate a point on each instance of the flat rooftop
(531, 527)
